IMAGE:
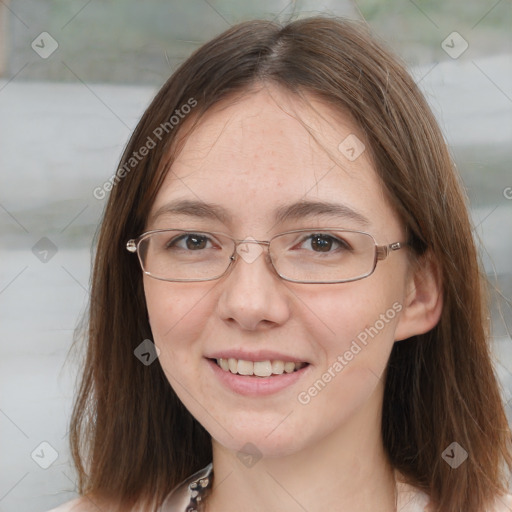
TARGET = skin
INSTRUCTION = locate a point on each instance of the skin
(252, 156)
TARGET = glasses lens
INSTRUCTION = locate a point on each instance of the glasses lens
(185, 255)
(323, 256)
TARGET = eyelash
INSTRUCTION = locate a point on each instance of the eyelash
(343, 244)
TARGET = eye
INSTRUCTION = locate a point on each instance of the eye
(322, 242)
(190, 242)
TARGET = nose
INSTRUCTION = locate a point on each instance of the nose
(252, 295)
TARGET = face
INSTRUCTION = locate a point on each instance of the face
(247, 159)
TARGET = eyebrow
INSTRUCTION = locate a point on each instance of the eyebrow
(296, 211)
(304, 209)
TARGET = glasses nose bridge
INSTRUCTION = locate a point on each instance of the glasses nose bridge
(248, 258)
(249, 240)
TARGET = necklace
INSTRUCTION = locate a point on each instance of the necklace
(199, 490)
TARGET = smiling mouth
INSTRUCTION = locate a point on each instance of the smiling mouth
(258, 368)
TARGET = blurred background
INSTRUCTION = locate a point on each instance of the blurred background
(76, 75)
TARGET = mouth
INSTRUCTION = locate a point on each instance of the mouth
(267, 368)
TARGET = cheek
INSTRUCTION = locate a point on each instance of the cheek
(355, 352)
(177, 316)
(361, 310)
(354, 326)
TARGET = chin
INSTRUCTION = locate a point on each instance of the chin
(263, 435)
(259, 445)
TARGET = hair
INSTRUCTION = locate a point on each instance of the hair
(132, 440)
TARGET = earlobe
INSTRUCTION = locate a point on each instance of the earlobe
(423, 299)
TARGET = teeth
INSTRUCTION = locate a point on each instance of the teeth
(245, 367)
(258, 368)
(277, 367)
(289, 367)
(262, 368)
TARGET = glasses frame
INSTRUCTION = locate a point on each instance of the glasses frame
(381, 252)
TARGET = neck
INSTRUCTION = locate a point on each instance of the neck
(346, 470)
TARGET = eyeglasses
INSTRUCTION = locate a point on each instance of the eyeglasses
(320, 255)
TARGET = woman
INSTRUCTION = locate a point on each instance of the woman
(310, 284)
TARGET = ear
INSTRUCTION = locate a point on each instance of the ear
(423, 299)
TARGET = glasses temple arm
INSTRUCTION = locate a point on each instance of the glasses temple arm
(384, 250)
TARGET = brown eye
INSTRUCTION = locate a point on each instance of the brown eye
(190, 241)
(321, 243)
(196, 242)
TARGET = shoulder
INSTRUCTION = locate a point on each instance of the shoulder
(84, 504)
(503, 504)
(411, 499)
(189, 493)
(186, 495)
(78, 505)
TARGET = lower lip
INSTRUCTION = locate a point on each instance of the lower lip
(250, 385)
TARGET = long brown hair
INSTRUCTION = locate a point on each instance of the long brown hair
(132, 439)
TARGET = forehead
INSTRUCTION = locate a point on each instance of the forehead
(269, 148)
(277, 129)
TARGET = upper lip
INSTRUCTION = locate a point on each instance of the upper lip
(255, 355)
